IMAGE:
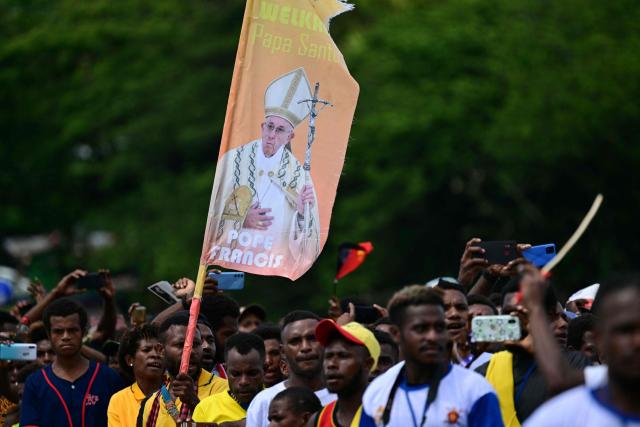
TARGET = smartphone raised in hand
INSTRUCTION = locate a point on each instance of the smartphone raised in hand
(228, 280)
(498, 251)
(540, 255)
(18, 351)
(91, 281)
(498, 328)
(366, 314)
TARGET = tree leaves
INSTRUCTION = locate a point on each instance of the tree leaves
(498, 119)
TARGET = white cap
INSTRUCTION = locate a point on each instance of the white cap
(282, 96)
(588, 293)
(435, 282)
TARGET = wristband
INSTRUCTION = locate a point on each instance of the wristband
(25, 321)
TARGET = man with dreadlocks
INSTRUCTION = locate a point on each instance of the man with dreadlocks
(426, 390)
(260, 191)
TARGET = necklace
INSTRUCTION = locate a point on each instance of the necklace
(440, 372)
(235, 398)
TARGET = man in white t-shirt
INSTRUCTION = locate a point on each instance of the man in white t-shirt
(303, 354)
(617, 335)
(426, 390)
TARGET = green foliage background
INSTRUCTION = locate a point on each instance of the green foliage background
(497, 119)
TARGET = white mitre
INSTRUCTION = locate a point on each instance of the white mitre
(282, 96)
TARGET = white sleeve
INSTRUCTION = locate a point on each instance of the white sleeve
(564, 410)
(596, 376)
(547, 415)
(257, 416)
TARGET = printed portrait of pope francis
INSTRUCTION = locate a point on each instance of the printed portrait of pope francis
(261, 190)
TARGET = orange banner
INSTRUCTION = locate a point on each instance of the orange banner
(288, 120)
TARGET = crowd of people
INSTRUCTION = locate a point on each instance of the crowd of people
(416, 363)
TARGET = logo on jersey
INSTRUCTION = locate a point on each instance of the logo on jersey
(453, 416)
(92, 399)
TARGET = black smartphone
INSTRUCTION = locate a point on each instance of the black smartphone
(498, 251)
(366, 314)
(92, 281)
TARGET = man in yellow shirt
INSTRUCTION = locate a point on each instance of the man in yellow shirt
(244, 353)
(164, 407)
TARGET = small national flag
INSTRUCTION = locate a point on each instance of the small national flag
(350, 256)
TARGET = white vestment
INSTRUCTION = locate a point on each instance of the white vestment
(245, 177)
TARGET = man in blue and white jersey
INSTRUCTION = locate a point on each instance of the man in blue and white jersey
(616, 401)
(426, 390)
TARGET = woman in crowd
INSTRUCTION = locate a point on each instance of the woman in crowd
(141, 358)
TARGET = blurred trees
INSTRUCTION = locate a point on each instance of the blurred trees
(494, 119)
(113, 113)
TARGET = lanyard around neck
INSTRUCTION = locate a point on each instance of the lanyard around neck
(413, 416)
(440, 372)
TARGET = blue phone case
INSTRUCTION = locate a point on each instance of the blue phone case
(18, 351)
(540, 255)
(229, 280)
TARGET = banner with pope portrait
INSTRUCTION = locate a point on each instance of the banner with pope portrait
(286, 129)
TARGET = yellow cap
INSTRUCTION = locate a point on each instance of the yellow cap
(352, 331)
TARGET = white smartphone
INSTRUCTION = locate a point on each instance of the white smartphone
(495, 328)
(18, 351)
(164, 291)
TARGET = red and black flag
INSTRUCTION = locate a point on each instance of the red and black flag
(350, 256)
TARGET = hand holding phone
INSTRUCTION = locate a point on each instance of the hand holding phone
(366, 314)
(361, 313)
(107, 291)
(92, 281)
(68, 285)
(471, 263)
